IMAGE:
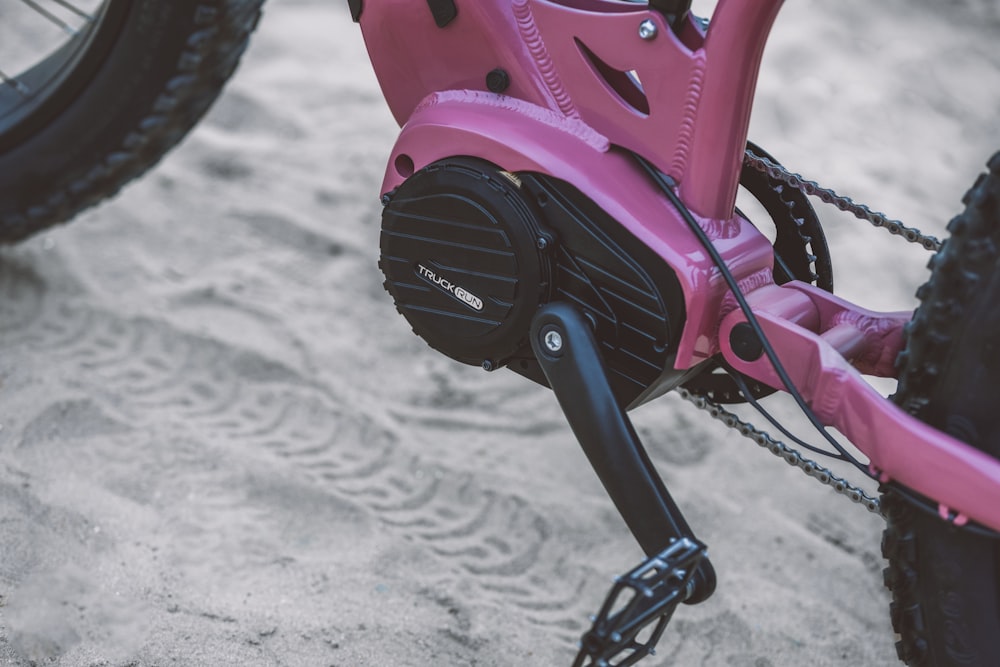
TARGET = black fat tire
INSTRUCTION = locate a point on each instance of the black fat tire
(168, 63)
(944, 581)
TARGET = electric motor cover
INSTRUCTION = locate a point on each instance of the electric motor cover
(460, 250)
(470, 251)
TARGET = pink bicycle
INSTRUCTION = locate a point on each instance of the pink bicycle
(561, 201)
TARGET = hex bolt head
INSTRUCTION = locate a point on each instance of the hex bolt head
(553, 341)
(648, 30)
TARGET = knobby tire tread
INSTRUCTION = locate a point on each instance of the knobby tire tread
(944, 581)
(216, 33)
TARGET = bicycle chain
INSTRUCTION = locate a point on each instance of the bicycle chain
(793, 457)
(828, 196)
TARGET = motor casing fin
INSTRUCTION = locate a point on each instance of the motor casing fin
(460, 253)
(470, 252)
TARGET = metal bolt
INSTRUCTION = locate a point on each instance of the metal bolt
(648, 30)
(542, 243)
(553, 341)
(488, 365)
(497, 81)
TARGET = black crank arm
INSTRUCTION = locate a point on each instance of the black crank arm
(567, 351)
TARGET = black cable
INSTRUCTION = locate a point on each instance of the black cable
(927, 507)
(778, 259)
(742, 386)
(667, 185)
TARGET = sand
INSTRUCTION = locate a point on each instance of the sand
(220, 444)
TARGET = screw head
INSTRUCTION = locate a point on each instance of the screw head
(648, 29)
(553, 341)
(497, 80)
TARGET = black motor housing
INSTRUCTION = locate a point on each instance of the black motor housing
(461, 256)
(470, 252)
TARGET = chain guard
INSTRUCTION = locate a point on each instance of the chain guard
(800, 253)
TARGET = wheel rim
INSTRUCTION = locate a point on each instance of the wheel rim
(54, 48)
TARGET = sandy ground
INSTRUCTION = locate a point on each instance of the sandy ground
(220, 444)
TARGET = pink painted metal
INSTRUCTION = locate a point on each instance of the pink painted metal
(586, 91)
(523, 137)
(578, 59)
(568, 120)
(825, 343)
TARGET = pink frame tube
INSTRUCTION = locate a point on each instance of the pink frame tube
(573, 112)
(815, 334)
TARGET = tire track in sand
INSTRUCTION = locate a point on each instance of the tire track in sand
(145, 372)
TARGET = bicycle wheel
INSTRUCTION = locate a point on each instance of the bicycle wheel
(79, 121)
(944, 580)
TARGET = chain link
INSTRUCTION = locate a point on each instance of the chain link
(828, 196)
(790, 456)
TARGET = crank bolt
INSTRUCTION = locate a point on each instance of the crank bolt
(648, 30)
(489, 365)
(553, 341)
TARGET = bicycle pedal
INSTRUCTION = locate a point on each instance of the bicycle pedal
(639, 606)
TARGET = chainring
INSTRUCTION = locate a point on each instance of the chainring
(800, 253)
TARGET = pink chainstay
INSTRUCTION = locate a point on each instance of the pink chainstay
(561, 117)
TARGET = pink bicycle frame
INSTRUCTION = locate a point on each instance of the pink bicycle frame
(575, 110)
